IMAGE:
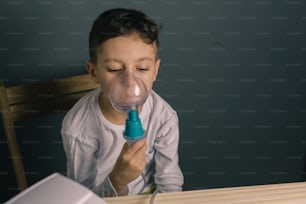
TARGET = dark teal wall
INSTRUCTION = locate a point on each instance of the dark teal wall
(234, 70)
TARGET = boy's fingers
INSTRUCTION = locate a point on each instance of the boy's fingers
(141, 152)
(136, 146)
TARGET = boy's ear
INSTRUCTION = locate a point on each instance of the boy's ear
(157, 64)
(91, 68)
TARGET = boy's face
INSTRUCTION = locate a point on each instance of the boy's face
(124, 53)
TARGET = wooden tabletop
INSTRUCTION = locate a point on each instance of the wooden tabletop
(287, 193)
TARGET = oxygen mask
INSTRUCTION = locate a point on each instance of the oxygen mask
(127, 94)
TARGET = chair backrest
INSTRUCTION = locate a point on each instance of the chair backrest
(23, 102)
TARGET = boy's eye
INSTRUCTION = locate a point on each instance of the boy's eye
(114, 69)
(142, 69)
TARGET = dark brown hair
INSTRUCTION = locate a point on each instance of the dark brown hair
(118, 22)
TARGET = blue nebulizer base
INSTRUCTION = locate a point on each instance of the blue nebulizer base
(133, 127)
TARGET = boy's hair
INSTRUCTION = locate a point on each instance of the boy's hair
(118, 22)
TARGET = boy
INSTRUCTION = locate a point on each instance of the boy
(92, 131)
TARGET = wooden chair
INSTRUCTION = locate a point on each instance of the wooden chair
(27, 101)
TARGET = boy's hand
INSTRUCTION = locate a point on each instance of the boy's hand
(130, 164)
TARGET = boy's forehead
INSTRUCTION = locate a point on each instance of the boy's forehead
(103, 57)
(126, 45)
(136, 37)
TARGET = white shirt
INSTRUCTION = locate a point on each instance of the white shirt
(92, 145)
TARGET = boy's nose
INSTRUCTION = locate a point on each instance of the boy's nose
(128, 78)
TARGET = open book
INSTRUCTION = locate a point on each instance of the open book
(56, 189)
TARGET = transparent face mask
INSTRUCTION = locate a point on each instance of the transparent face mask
(127, 94)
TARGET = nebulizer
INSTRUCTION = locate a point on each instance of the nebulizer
(128, 93)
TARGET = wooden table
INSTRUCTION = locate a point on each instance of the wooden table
(287, 193)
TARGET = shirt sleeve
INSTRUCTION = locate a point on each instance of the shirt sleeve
(168, 175)
(106, 189)
(82, 165)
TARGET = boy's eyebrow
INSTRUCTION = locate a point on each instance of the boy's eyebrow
(144, 59)
(112, 60)
(120, 61)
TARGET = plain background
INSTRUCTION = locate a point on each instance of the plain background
(235, 71)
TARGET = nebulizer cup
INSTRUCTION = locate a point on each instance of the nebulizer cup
(128, 93)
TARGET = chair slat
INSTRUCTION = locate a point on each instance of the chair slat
(56, 105)
(13, 147)
(47, 90)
